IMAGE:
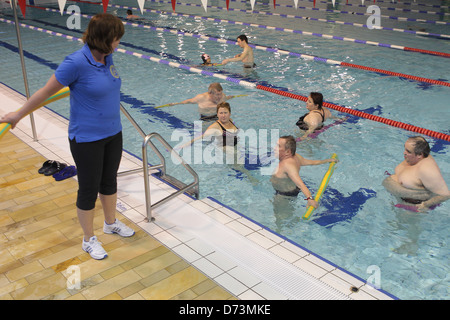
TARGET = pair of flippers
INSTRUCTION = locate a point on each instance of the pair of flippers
(58, 170)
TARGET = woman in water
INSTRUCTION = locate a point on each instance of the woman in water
(316, 116)
(224, 147)
(223, 131)
(207, 61)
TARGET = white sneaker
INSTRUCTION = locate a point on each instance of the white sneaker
(94, 248)
(119, 228)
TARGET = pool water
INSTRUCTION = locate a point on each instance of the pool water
(357, 226)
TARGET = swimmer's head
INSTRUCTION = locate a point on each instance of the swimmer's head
(421, 146)
(289, 144)
(129, 12)
(317, 98)
(215, 86)
(205, 57)
(243, 37)
(225, 105)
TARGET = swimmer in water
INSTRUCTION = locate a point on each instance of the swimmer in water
(246, 56)
(286, 179)
(207, 102)
(224, 135)
(131, 16)
(417, 179)
(315, 118)
(207, 61)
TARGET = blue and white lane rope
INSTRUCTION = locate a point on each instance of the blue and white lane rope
(377, 3)
(145, 57)
(354, 24)
(313, 9)
(274, 50)
(389, 2)
(251, 85)
(307, 33)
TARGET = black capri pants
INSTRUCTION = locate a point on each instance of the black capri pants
(97, 165)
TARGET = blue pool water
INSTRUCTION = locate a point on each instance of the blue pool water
(357, 225)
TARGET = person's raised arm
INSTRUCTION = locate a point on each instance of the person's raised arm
(195, 100)
(238, 57)
(211, 131)
(50, 88)
(308, 162)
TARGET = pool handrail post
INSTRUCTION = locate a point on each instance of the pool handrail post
(194, 185)
(22, 61)
(161, 166)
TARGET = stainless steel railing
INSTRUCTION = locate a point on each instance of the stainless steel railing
(147, 138)
(194, 185)
(161, 166)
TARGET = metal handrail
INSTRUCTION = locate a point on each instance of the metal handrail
(141, 132)
(161, 166)
(193, 185)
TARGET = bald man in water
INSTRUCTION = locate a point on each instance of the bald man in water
(418, 179)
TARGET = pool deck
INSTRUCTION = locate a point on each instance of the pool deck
(195, 249)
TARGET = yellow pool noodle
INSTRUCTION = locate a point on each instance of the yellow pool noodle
(323, 185)
(64, 92)
(164, 105)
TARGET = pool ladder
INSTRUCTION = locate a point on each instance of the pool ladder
(192, 188)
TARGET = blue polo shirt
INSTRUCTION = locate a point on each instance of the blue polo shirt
(94, 95)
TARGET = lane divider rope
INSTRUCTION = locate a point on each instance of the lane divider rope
(361, 114)
(434, 134)
(275, 50)
(326, 36)
(313, 9)
(381, 7)
(390, 3)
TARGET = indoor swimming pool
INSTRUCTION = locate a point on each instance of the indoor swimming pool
(357, 226)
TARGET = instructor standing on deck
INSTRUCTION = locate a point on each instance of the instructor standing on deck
(95, 130)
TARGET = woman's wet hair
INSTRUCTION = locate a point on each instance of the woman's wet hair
(205, 57)
(225, 105)
(317, 98)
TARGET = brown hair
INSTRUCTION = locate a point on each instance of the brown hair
(215, 86)
(421, 146)
(243, 37)
(225, 105)
(317, 98)
(102, 31)
(290, 144)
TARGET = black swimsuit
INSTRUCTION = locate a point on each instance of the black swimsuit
(292, 193)
(226, 135)
(211, 117)
(413, 201)
(304, 126)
